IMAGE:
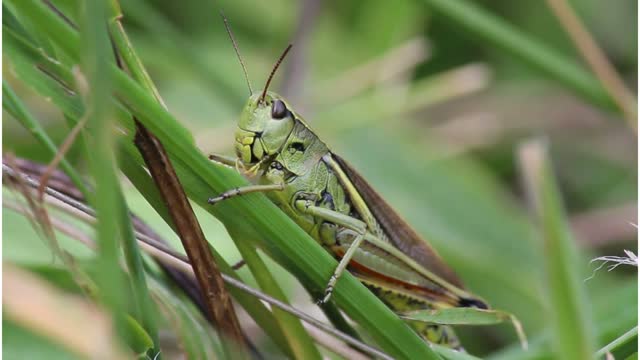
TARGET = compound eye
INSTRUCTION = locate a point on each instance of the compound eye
(279, 110)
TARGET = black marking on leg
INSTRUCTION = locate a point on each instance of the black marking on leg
(328, 290)
(238, 265)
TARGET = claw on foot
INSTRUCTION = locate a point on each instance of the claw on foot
(240, 166)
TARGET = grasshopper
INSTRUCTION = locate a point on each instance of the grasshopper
(334, 204)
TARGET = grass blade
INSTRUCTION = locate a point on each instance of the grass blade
(469, 316)
(300, 342)
(495, 31)
(572, 335)
(102, 163)
(14, 106)
(622, 347)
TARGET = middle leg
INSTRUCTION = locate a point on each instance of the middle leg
(346, 221)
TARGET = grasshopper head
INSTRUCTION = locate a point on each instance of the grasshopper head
(263, 128)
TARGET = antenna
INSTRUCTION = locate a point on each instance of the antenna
(235, 47)
(284, 53)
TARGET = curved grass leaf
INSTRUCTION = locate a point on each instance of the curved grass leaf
(139, 340)
(481, 23)
(195, 336)
(622, 347)
(468, 316)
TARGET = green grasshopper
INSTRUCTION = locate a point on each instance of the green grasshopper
(334, 204)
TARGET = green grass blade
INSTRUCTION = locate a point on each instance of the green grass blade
(127, 51)
(622, 347)
(609, 324)
(140, 341)
(146, 309)
(196, 337)
(43, 19)
(468, 316)
(301, 344)
(493, 30)
(153, 20)
(569, 311)
(459, 316)
(102, 162)
(113, 218)
(14, 106)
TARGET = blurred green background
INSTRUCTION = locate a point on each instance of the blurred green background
(430, 113)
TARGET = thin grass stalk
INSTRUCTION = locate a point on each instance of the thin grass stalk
(14, 106)
(495, 31)
(569, 311)
(301, 344)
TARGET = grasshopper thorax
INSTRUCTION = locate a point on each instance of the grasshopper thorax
(263, 128)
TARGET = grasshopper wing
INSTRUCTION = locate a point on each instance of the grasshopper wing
(400, 234)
